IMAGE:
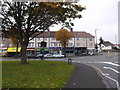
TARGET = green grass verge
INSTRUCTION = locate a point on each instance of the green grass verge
(37, 74)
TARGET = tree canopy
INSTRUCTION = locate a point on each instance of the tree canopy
(63, 35)
(30, 19)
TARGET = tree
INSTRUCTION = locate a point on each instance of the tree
(101, 42)
(30, 19)
(63, 35)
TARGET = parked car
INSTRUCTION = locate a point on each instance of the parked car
(39, 55)
(58, 55)
(48, 55)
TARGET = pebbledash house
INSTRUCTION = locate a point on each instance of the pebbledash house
(81, 43)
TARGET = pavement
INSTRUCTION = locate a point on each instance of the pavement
(85, 76)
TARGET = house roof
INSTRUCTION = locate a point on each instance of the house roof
(107, 43)
(74, 34)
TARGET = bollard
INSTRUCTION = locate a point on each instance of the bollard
(69, 61)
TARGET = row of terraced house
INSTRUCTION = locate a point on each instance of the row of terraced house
(81, 43)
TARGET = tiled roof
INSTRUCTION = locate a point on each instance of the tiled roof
(83, 35)
(74, 34)
(107, 43)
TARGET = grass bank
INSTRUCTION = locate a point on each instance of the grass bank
(37, 74)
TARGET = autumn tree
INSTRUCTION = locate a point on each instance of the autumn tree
(30, 19)
(63, 35)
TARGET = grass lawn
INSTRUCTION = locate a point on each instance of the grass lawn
(37, 74)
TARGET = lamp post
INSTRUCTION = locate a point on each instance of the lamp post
(96, 47)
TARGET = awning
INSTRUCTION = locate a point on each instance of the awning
(69, 49)
(13, 49)
(30, 48)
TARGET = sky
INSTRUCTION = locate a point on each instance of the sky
(101, 15)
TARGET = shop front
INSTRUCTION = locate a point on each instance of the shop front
(80, 51)
(55, 50)
(31, 51)
(42, 50)
(69, 51)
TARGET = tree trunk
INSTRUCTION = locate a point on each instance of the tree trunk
(23, 54)
(16, 55)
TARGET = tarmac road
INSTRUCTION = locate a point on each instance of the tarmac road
(107, 64)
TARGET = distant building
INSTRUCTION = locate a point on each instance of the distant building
(106, 45)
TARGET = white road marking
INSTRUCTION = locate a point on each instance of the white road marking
(83, 61)
(109, 63)
(73, 61)
(78, 61)
(111, 69)
(112, 63)
(105, 74)
(90, 62)
(114, 81)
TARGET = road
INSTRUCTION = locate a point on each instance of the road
(107, 64)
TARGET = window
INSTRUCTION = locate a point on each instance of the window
(55, 44)
(38, 39)
(83, 44)
(45, 39)
(78, 44)
(59, 44)
(10, 45)
(91, 44)
(70, 44)
(90, 39)
(52, 44)
(52, 39)
(39, 44)
(31, 44)
(3, 39)
(77, 38)
(70, 38)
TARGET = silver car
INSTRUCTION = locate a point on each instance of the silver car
(58, 55)
(48, 55)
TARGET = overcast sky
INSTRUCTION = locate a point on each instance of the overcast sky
(101, 15)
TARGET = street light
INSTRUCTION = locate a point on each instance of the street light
(96, 39)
